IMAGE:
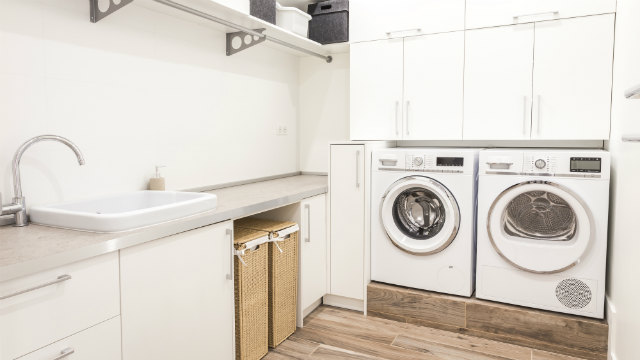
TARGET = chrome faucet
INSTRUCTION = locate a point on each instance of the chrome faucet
(18, 207)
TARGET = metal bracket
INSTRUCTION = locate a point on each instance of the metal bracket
(238, 41)
(97, 12)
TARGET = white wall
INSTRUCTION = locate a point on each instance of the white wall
(623, 290)
(137, 89)
(324, 109)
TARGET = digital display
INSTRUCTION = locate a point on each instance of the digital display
(450, 161)
(591, 165)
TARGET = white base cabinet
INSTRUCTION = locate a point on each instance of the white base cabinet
(84, 294)
(347, 214)
(177, 296)
(313, 253)
(100, 342)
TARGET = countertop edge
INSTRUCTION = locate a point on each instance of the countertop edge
(151, 233)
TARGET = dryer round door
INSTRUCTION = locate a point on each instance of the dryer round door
(540, 227)
(420, 215)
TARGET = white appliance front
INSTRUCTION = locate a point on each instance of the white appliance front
(423, 218)
(542, 229)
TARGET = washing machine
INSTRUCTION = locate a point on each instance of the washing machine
(423, 204)
(542, 229)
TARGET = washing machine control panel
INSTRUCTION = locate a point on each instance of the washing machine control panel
(434, 163)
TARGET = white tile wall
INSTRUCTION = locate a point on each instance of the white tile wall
(137, 89)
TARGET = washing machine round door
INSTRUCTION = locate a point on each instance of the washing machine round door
(540, 227)
(420, 215)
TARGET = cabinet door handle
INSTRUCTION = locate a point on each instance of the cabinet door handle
(397, 127)
(552, 12)
(524, 115)
(389, 33)
(58, 280)
(308, 238)
(230, 274)
(64, 353)
(406, 112)
(358, 169)
(538, 115)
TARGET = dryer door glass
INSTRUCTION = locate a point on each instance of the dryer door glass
(540, 215)
(540, 226)
(420, 215)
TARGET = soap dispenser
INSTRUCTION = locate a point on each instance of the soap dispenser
(157, 183)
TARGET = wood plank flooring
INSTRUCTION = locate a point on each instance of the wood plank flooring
(331, 333)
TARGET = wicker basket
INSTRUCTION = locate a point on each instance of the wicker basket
(251, 294)
(283, 276)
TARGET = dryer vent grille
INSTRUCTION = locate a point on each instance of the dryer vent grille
(573, 293)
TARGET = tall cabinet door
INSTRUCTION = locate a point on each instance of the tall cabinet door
(313, 251)
(572, 78)
(433, 86)
(347, 220)
(382, 19)
(177, 296)
(497, 83)
(376, 90)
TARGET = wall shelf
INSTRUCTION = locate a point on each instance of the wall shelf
(233, 21)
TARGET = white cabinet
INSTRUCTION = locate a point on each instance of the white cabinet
(100, 342)
(61, 302)
(313, 252)
(177, 296)
(486, 13)
(572, 78)
(497, 83)
(409, 88)
(376, 89)
(347, 214)
(546, 81)
(433, 87)
(383, 19)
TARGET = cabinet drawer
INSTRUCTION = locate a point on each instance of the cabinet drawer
(101, 342)
(485, 13)
(33, 319)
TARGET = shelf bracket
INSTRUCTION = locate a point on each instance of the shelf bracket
(242, 40)
(97, 12)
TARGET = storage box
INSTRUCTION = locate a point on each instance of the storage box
(263, 9)
(283, 275)
(292, 19)
(251, 285)
(330, 21)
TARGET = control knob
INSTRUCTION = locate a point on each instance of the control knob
(540, 164)
(417, 161)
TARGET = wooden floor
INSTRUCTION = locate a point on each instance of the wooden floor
(332, 333)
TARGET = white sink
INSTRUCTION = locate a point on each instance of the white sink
(124, 211)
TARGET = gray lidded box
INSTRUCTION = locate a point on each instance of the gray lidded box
(330, 21)
(263, 9)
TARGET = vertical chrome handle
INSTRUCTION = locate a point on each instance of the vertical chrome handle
(308, 238)
(230, 274)
(397, 108)
(358, 169)
(58, 280)
(406, 114)
(524, 115)
(64, 353)
(538, 116)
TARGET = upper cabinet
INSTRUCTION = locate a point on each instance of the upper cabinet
(486, 13)
(546, 81)
(384, 19)
(409, 88)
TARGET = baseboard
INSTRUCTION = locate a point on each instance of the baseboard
(344, 302)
